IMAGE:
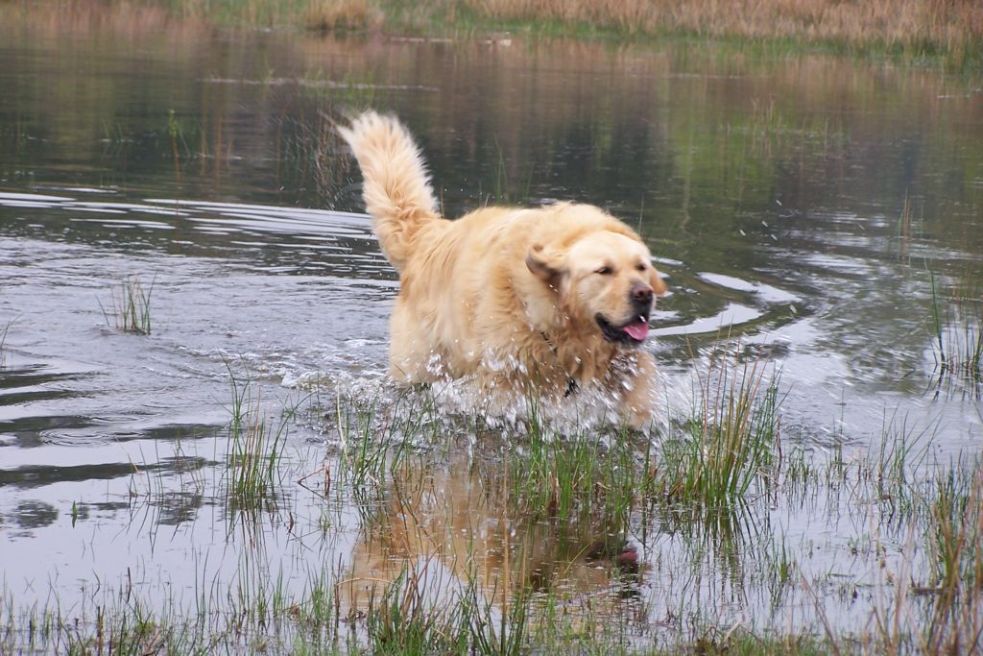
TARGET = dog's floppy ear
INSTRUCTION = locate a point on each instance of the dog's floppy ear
(657, 284)
(546, 264)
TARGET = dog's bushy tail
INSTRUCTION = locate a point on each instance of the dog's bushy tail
(397, 190)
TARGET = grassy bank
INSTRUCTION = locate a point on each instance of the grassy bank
(908, 28)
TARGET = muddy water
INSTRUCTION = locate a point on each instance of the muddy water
(801, 204)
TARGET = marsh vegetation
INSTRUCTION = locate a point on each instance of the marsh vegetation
(534, 541)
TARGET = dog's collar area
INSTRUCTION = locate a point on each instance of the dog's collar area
(572, 385)
(619, 334)
(572, 388)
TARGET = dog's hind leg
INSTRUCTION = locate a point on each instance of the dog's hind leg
(412, 357)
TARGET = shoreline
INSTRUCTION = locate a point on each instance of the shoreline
(912, 31)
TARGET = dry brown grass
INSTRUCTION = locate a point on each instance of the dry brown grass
(126, 18)
(939, 24)
(330, 15)
(134, 15)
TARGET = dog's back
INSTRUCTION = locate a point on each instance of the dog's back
(397, 190)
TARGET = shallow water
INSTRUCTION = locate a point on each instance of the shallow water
(801, 205)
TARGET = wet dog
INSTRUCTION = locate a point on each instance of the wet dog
(530, 301)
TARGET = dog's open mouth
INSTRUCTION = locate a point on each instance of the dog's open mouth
(633, 332)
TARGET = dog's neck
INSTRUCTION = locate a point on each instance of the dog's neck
(567, 347)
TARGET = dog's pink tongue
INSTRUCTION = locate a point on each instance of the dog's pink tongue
(638, 331)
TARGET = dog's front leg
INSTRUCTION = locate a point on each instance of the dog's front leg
(638, 402)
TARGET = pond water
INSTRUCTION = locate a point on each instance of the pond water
(813, 209)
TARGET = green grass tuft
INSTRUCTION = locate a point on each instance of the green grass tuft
(255, 450)
(131, 307)
(730, 442)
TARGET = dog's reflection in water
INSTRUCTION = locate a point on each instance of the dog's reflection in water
(449, 533)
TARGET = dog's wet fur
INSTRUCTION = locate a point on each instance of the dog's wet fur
(523, 300)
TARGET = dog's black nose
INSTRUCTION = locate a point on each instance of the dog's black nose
(641, 295)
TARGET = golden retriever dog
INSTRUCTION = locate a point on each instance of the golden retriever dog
(539, 302)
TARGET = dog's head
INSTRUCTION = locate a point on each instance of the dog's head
(605, 281)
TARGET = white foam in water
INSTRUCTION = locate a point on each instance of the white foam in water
(590, 408)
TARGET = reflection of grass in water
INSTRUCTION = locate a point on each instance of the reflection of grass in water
(131, 307)
(3, 341)
(504, 190)
(175, 134)
(308, 144)
(904, 228)
(938, 610)
(958, 333)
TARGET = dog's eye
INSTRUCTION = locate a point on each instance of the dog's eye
(604, 270)
(641, 266)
